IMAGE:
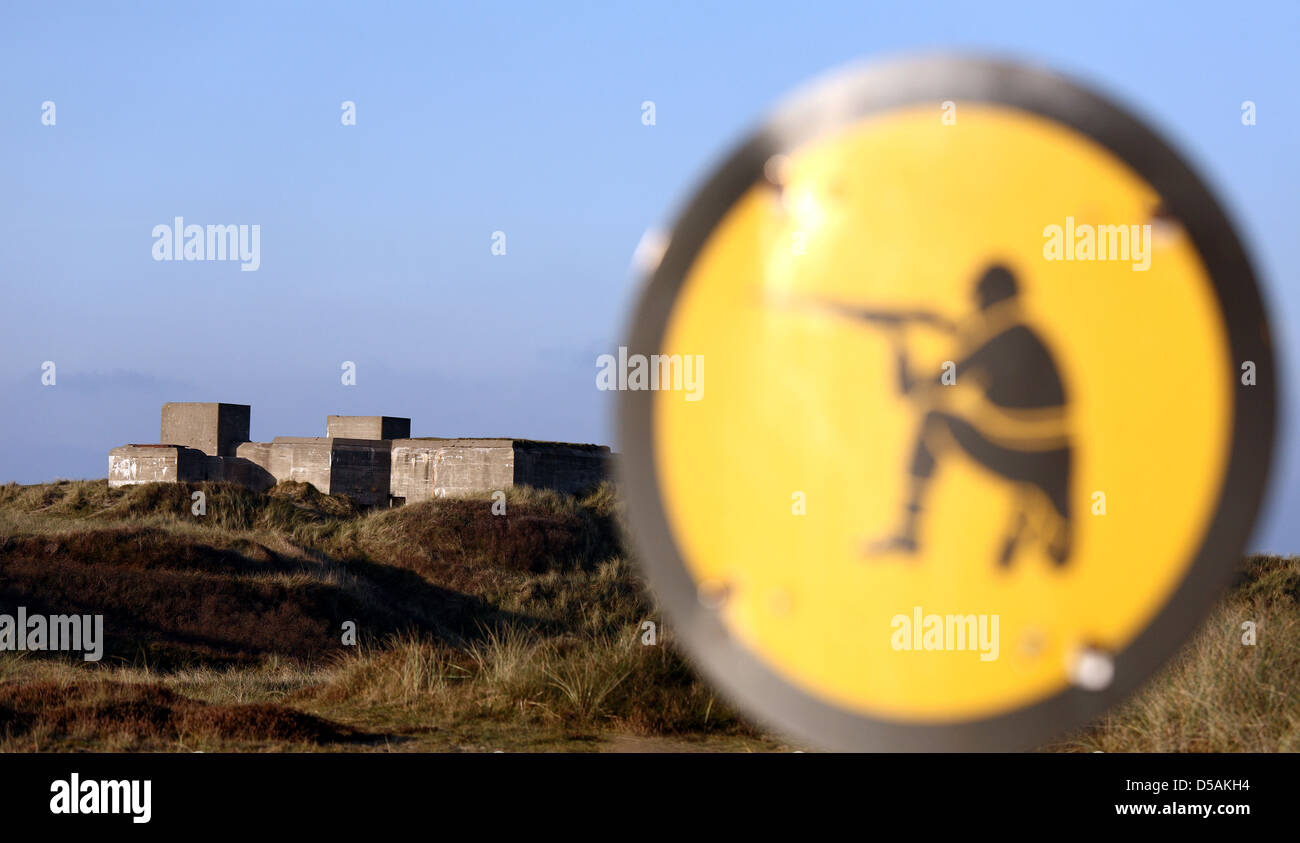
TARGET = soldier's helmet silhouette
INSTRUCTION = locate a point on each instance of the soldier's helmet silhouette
(1015, 427)
(997, 284)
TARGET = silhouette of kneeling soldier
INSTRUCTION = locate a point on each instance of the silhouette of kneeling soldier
(1012, 422)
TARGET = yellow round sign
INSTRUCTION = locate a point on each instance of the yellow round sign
(987, 415)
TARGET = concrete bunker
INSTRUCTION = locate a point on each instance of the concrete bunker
(371, 459)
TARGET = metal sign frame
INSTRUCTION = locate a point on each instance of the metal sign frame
(833, 104)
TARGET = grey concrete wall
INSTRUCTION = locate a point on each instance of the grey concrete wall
(367, 427)
(258, 453)
(215, 429)
(361, 469)
(245, 472)
(411, 470)
(435, 468)
(303, 460)
(475, 466)
(358, 468)
(425, 468)
(132, 464)
(567, 468)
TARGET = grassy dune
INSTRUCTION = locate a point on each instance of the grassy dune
(224, 631)
(476, 632)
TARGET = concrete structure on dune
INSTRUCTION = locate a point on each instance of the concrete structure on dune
(371, 459)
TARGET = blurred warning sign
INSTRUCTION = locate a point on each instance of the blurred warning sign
(987, 418)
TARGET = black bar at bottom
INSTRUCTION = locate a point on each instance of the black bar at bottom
(252, 792)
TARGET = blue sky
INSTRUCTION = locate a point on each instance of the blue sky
(474, 118)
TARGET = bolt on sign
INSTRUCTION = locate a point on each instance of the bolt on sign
(989, 417)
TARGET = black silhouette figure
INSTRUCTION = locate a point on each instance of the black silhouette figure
(1012, 422)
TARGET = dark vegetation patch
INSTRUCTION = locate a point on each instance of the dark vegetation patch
(170, 600)
(150, 714)
(457, 542)
(285, 507)
(279, 572)
(1270, 579)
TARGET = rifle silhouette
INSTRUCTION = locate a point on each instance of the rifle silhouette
(885, 318)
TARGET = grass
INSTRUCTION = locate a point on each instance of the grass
(224, 630)
(475, 633)
(1220, 694)
(126, 716)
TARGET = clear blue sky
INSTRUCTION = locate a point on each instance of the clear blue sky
(523, 118)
